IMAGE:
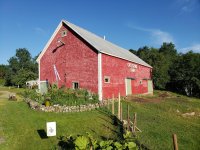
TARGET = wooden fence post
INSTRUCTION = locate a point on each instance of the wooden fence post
(108, 104)
(113, 105)
(121, 113)
(128, 118)
(119, 107)
(175, 142)
(134, 122)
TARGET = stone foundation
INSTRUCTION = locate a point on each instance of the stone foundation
(58, 108)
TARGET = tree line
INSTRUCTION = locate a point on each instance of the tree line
(21, 68)
(172, 70)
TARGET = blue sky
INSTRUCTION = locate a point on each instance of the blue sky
(129, 24)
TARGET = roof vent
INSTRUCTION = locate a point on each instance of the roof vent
(64, 33)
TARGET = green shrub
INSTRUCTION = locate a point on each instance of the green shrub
(33, 95)
(63, 96)
(85, 142)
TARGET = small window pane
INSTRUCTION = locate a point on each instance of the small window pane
(140, 81)
(75, 85)
(64, 33)
(107, 79)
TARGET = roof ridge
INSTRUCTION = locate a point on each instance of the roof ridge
(105, 46)
(100, 44)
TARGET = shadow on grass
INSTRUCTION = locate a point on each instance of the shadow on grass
(115, 122)
(42, 134)
(66, 143)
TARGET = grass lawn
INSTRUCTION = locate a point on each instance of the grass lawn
(19, 125)
(162, 116)
(158, 117)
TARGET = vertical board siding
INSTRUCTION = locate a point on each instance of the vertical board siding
(118, 70)
(75, 61)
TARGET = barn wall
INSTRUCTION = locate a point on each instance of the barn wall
(74, 61)
(118, 69)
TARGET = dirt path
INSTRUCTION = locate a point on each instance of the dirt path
(143, 99)
(5, 94)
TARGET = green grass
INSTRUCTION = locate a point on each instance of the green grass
(158, 121)
(11, 89)
(19, 125)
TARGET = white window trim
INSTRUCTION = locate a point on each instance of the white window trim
(107, 77)
(73, 84)
(126, 86)
(141, 81)
(62, 33)
(39, 75)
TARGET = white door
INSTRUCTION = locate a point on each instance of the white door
(128, 87)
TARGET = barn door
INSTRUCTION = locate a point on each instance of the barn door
(128, 87)
(150, 86)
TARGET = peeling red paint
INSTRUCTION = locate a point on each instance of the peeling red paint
(118, 70)
(77, 61)
(74, 61)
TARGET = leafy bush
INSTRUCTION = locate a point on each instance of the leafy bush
(63, 96)
(87, 142)
(33, 95)
(2, 82)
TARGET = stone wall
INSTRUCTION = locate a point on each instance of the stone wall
(58, 108)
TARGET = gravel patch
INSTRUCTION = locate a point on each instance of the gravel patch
(2, 140)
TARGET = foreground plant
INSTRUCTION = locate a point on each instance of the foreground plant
(87, 142)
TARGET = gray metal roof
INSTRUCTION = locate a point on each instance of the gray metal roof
(105, 46)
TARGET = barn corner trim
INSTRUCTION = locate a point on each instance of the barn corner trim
(100, 88)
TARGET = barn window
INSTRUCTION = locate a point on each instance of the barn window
(107, 79)
(140, 81)
(75, 85)
(64, 33)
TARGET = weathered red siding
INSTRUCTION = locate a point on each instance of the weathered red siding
(74, 61)
(118, 70)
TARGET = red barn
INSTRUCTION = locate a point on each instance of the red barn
(77, 58)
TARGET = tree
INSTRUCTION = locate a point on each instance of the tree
(173, 71)
(22, 76)
(3, 70)
(168, 49)
(157, 60)
(133, 51)
(185, 74)
(160, 69)
(22, 67)
(14, 64)
(22, 60)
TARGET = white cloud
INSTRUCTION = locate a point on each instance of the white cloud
(158, 36)
(39, 30)
(186, 9)
(161, 36)
(194, 48)
(186, 6)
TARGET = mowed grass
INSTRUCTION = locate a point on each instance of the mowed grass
(11, 89)
(19, 126)
(159, 120)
